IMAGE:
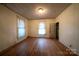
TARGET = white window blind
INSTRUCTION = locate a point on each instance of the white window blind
(21, 28)
(42, 28)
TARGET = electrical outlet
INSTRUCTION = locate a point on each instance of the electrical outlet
(70, 45)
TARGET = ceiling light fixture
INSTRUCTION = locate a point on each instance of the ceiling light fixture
(41, 10)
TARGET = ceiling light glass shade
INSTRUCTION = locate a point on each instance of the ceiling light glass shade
(41, 10)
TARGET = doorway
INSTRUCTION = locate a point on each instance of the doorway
(57, 30)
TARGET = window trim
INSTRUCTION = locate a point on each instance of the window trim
(19, 18)
(42, 28)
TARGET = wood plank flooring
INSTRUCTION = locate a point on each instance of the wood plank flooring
(39, 47)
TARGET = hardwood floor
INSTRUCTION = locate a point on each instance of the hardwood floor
(39, 47)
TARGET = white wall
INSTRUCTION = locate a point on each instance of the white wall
(69, 26)
(8, 28)
(34, 26)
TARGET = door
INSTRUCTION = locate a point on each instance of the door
(52, 30)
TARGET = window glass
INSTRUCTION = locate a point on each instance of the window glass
(41, 28)
(21, 28)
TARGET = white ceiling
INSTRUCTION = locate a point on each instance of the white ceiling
(28, 10)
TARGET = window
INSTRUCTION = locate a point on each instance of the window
(42, 28)
(21, 28)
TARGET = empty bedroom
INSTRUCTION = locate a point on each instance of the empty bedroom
(39, 29)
